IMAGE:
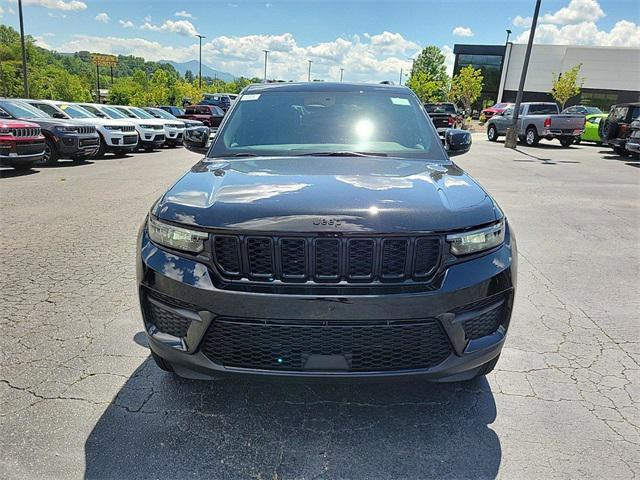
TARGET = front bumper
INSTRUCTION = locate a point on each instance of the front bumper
(120, 141)
(19, 152)
(174, 135)
(183, 290)
(77, 146)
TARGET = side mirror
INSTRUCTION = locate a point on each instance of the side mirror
(457, 142)
(196, 139)
(59, 115)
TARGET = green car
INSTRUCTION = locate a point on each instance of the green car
(591, 128)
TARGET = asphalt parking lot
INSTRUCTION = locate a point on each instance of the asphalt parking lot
(79, 395)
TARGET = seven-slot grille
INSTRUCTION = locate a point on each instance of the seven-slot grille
(127, 128)
(25, 132)
(85, 130)
(326, 259)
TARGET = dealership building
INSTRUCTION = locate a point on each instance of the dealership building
(611, 74)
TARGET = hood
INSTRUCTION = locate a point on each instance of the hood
(142, 121)
(9, 123)
(49, 123)
(331, 194)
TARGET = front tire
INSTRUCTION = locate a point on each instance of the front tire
(531, 137)
(577, 140)
(50, 153)
(492, 133)
(621, 151)
(102, 148)
(566, 141)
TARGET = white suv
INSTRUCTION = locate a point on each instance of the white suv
(173, 130)
(116, 136)
(150, 140)
(150, 132)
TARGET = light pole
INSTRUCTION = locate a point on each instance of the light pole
(508, 34)
(512, 132)
(200, 63)
(266, 53)
(341, 72)
(400, 75)
(25, 81)
(309, 75)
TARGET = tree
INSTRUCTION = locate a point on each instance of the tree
(566, 85)
(429, 79)
(426, 89)
(188, 76)
(466, 86)
(432, 62)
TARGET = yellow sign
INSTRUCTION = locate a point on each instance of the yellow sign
(103, 60)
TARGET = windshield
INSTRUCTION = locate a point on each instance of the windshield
(159, 113)
(592, 110)
(140, 113)
(501, 105)
(305, 122)
(542, 109)
(22, 110)
(74, 111)
(113, 113)
(440, 107)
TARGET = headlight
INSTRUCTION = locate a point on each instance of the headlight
(146, 126)
(477, 240)
(112, 127)
(176, 237)
(66, 129)
(5, 131)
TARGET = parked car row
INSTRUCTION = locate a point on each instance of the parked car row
(620, 128)
(79, 131)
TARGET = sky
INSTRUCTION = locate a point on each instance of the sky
(370, 40)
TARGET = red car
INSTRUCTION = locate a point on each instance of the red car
(21, 144)
(210, 115)
(497, 108)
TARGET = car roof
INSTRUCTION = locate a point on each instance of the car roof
(325, 86)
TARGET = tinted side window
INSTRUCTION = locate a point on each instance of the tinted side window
(46, 108)
(191, 110)
(635, 113)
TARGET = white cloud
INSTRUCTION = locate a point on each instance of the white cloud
(102, 17)
(40, 42)
(522, 21)
(183, 14)
(126, 23)
(1, 11)
(371, 58)
(462, 32)
(449, 58)
(66, 5)
(147, 18)
(578, 11)
(622, 34)
(181, 27)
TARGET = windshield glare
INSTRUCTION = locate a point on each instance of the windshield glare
(22, 110)
(302, 122)
(159, 113)
(113, 113)
(140, 113)
(74, 111)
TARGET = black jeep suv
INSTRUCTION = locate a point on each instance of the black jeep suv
(326, 233)
(616, 128)
(63, 138)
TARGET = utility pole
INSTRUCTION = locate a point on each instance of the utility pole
(400, 75)
(25, 80)
(98, 83)
(200, 63)
(266, 53)
(512, 132)
(309, 76)
(341, 72)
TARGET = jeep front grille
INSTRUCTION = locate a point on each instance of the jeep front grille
(325, 259)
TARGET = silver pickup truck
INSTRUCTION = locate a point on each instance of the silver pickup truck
(538, 120)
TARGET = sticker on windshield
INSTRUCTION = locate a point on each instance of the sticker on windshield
(400, 101)
(249, 97)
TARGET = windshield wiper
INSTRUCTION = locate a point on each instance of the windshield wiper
(242, 154)
(343, 154)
